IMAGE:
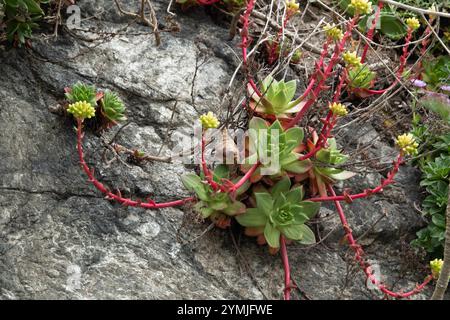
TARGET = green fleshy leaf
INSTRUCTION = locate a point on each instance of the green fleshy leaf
(288, 158)
(295, 134)
(255, 134)
(33, 7)
(295, 195)
(280, 201)
(264, 202)
(280, 101)
(392, 26)
(281, 186)
(332, 144)
(259, 188)
(272, 236)
(219, 197)
(268, 81)
(361, 77)
(334, 173)
(309, 208)
(331, 155)
(192, 182)
(436, 71)
(82, 92)
(269, 86)
(323, 155)
(277, 126)
(290, 87)
(278, 95)
(288, 147)
(235, 208)
(203, 209)
(299, 216)
(439, 220)
(308, 235)
(113, 107)
(293, 232)
(218, 206)
(257, 124)
(253, 217)
(344, 175)
(273, 169)
(298, 166)
(337, 157)
(222, 171)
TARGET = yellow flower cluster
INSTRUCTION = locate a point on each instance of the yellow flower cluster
(361, 6)
(209, 120)
(413, 23)
(436, 266)
(407, 143)
(351, 59)
(292, 6)
(333, 32)
(338, 109)
(81, 110)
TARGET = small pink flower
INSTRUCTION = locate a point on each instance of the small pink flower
(418, 83)
(445, 88)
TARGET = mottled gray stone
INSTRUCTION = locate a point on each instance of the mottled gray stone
(60, 239)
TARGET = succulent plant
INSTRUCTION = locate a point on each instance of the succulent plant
(332, 156)
(82, 92)
(436, 72)
(323, 171)
(361, 77)
(216, 205)
(275, 156)
(20, 17)
(113, 107)
(281, 211)
(277, 97)
(389, 22)
(435, 179)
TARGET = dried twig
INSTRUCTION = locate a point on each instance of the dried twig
(155, 23)
(415, 9)
(58, 19)
(436, 35)
(289, 34)
(141, 16)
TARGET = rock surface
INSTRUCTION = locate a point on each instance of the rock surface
(59, 239)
